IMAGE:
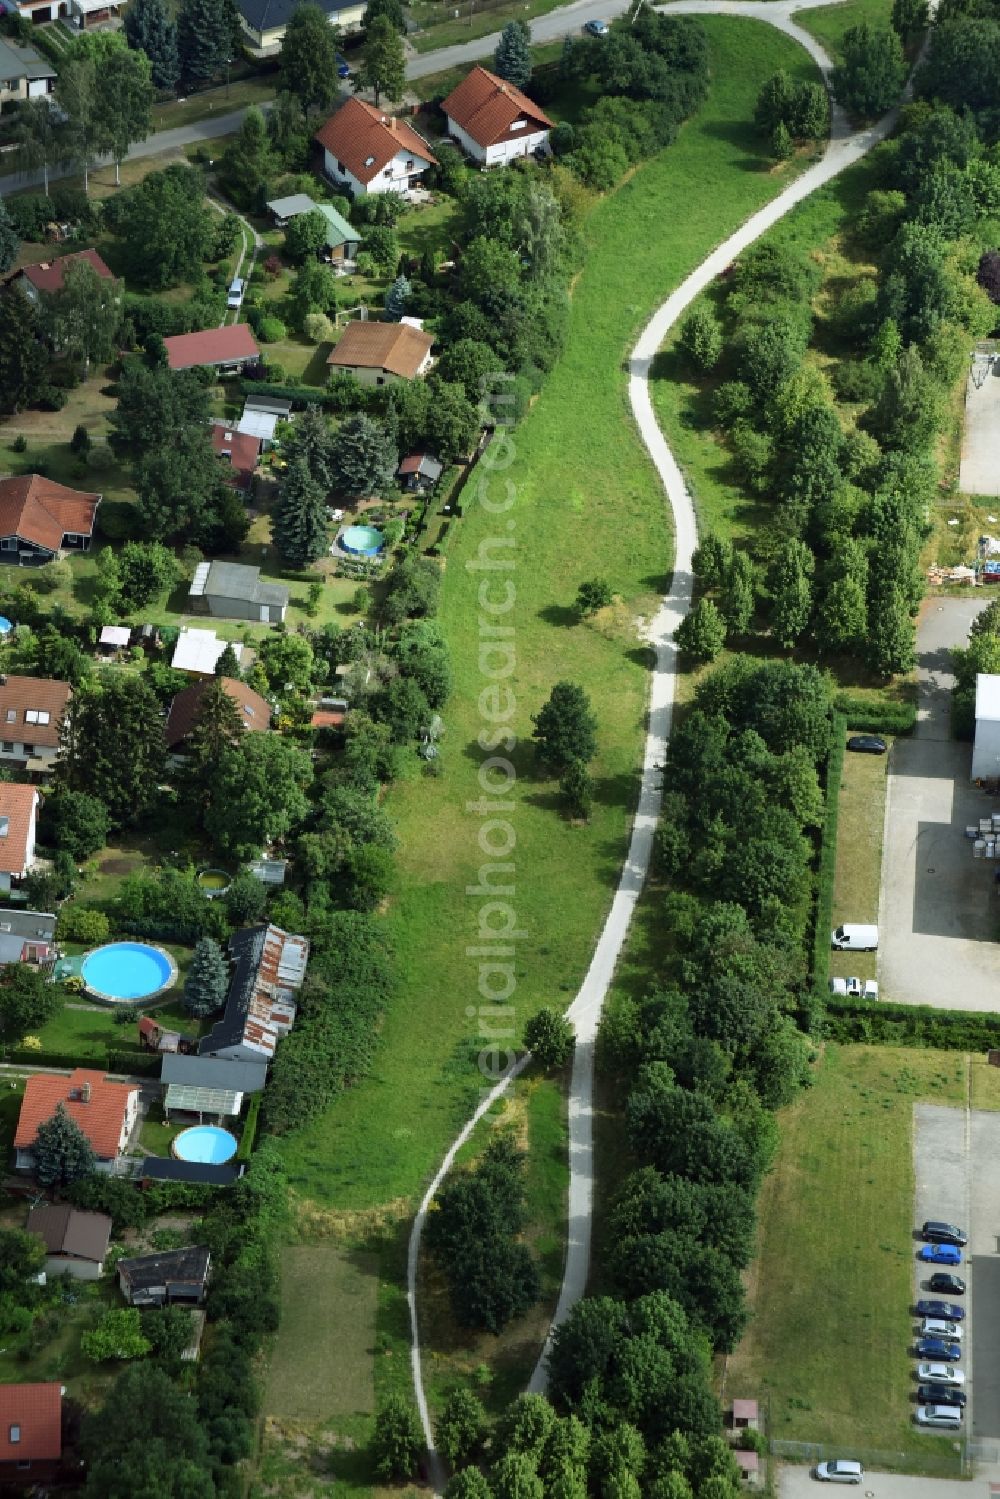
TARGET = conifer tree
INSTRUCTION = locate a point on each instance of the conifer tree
(208, 979)
(9, 243)
(62, 1151)
(299, 523)
(150, 28)
(207, 35)
(512, 58)
(22, 358)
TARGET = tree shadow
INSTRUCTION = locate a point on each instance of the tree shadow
(563, 615)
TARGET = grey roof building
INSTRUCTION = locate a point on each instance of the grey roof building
(165, 1277)
(26, 936)
(24, 74)
(231, 590)
(269, 967)
(214, 1072)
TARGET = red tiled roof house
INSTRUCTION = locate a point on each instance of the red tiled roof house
(30, 1432)
(255, 713)
(382, 353)
(31, 713)
(18, 814)
(225, 349)
(40, 518)
(105, 1111)
(493, 121)
(241, 450)
(370, 151)
(48, 275)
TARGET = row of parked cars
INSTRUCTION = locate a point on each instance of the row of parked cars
(941, 1390)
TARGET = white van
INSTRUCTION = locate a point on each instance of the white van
(949, 1416)
(854, 938)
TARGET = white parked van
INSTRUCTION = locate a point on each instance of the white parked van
(852, 937)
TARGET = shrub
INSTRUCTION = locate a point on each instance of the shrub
(270, 330)
(82, 924)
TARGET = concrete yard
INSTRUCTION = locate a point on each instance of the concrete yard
(980, 469)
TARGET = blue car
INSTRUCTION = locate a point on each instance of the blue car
(940, 1254)
(597, 28)
(939, 1348)
(945, 1309)
(343, 67)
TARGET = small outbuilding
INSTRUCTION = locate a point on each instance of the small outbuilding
(231, 590)
(166, 1278)
(198, 651)
(419, 472)
(986, 748)
(748, 1463)
(227, 349)
(76, 1243)
(746, 1415)
(261, 415)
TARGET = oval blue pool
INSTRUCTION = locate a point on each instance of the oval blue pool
(362, 541)
(123, 972)
(6, 625)
(206, 1143)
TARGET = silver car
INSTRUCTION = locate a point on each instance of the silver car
(937, 1327)
(841, 1470)
(940, 1374)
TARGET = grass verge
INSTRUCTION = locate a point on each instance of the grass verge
(858, 870)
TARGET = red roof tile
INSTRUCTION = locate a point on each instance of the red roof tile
(41, 511)
(101, 1117)
(396, 347)
(240, 448)
(17, 803)
(184, 709)
(186, 351)
(42, 697)
(48, 276)
(486, 107)
(34, 1411)
(327, 718)
(366, 139)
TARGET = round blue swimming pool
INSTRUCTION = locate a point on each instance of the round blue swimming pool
(6, 625)
(206, 1143)
(127, 971)
(362, 541)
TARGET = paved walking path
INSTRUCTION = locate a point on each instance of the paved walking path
(844, 149)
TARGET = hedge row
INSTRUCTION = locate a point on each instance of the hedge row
(911, 1025)
(250, 1128)
(828, 857)
(113, 1059)
(304, 395)
(876, 715)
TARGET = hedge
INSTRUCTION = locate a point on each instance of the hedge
(249, 1128)
(113, 1059)
(876, 715)
(828, 857)
(306, 395)
(911, 1025)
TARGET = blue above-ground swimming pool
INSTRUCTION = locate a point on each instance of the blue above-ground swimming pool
(206, 1143)
(127, 971)
(6, 625)
(362, 541)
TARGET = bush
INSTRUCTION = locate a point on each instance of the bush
(869, 715)
(270, 330)
(82, 924)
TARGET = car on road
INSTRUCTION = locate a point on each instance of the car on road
(841, 1470)
(949, 1416)
(951, 1285)
(940, 1254)
(936, 1232)
(944, 1309)
(343, 67)
(939, 1348)
(937, 1327)
(597, 28)
(941, 1394)
(867, 744)
(941, 1373)
(234, 297)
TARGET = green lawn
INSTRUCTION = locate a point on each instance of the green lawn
(829, 22)
(836, 1256)
(860, 823)
(587, 503)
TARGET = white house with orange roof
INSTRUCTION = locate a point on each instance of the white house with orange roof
(369, 151)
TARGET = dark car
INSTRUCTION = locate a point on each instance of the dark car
(867, 744)
(940, 1309)
(951, 1285)
(941, 1394)
(343, 67)
(943, 1233)
(939, 1348)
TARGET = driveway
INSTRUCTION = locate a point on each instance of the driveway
(938, 913)
(980, 470)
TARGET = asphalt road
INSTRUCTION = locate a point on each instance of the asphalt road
(798, 1483)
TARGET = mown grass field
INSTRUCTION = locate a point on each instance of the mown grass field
(829, 22)
(860, 824)
(828, 1346)
(586, 503)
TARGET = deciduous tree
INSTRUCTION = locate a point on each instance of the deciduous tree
(166, 1453)
(548, 1035)
(869, 80)
(309, 57)
(397, 1440)
(83, 317)
(701, 634)
(111, 744)
(565, 728)
(383, 62)
(124, 103)
(27, 1001)
(258, 794)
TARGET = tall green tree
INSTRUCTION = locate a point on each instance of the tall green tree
(182, 491)
(150, 28)
(83, 318)
(42, 138)
(312, 440)
(393, 11)
(9, 242)
(309, 58)
(383, 62)
(111, 745)
(27, 1001)
(397, 1440)
(739, 593)
(258, 794)
(565, 728)
(62, 1152)
(166, 1454)
(701, 634)
(248, 162)
(166, 228)
(512, 57)
(208, 34)
(22, 1255)
(790, 582)
(363, 457)
(298, 523)
(154, 406)
(23, 364)
(870, 78)
(78, 94)
(207, 980)
(909, 18)
(124, 104)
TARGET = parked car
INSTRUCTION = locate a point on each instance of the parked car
(839, 987)
(938, 1348)
(949, 1416)
(937, 1327)
(936, 1232)
(941, 1394)
(597, 28)
(234, 297)
(867, 744)
(940, 1254)
(944, 1309)
(871, 989)
(343, 67)
(841, 1470)
(941, 1373)
(855, 988)
(952, 1285)
(852, 936)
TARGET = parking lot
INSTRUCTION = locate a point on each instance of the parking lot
(957, 1179)
(798, 1483)
(938, 912)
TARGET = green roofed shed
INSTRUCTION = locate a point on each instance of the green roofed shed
(342, 239)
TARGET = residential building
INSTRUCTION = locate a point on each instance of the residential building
(27, 936)
(240, 450)
(190, 1082)
(31, 712)
(105, 1111)
(40, 518)
(369, 151)
(76, 1243)
(198, 652)
(269, 967)
(493, 121)
(18, 817)
(264, 21)
(227, 349)
(167, 1277)
(254, 711)
(986, 748)
(24, 73)
(382, 353)
(30, 1433)
(48, 275)
(229, 590)
(419, 472)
